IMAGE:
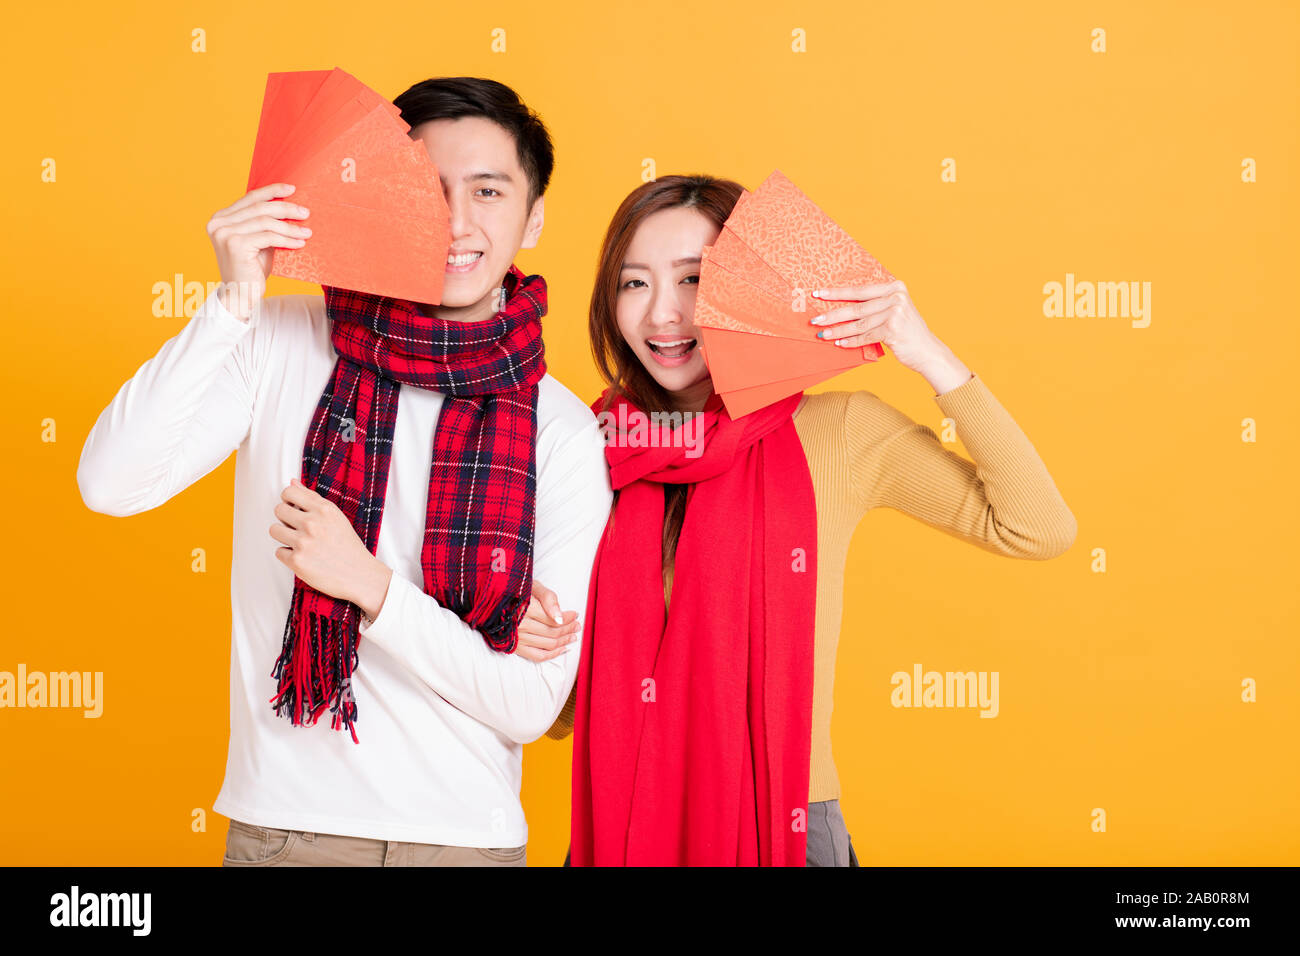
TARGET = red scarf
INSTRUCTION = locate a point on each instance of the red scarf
(477, 556)
(692, 734)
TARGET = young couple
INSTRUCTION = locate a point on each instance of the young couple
(401, 555)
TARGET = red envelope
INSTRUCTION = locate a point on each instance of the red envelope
(755, 297)
(742, 360)
(378, 218)
(733, 302)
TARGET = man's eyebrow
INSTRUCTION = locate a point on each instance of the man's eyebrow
(688, 260)
(493, 174)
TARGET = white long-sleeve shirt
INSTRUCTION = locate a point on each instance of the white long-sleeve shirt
(441, 717)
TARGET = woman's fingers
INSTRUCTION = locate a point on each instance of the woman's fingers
(859, 292)
(546, 631)
(544, 634)
(856, 331)
(852, 312)
(548, 601)
(857, 341)
(537, 655)
(536, 630)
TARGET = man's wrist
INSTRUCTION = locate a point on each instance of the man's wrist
(375, 591)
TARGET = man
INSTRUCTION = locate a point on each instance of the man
(418, 761)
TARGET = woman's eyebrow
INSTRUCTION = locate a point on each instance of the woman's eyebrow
(688, 260)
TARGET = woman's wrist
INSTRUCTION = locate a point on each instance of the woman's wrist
(944, 371)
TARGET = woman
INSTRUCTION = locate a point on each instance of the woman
(697, 718)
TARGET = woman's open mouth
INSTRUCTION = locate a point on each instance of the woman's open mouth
(670, 351)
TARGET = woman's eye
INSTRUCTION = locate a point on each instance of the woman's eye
(628, 283)
(692, 278)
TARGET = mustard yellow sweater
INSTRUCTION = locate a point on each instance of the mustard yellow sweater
(863, 453)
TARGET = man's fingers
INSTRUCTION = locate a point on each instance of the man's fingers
(289, 514)
(296, 493)
(261, 194)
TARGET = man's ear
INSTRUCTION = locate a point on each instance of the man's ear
(536, 218)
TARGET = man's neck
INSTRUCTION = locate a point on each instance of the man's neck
(485, 308)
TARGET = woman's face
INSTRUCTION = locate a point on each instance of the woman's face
(656, 301)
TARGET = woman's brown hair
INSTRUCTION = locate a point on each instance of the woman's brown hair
(618, 364)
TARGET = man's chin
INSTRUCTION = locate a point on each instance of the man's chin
(457, 295)
(454, 300)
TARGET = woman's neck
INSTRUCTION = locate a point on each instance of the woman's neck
(694, 398)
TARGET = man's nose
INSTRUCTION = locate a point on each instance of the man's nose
(458, 213)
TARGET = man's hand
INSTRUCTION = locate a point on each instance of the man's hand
(245, 236)
(545, 632)
(323, 549)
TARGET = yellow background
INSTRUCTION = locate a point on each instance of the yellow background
(1119, 690)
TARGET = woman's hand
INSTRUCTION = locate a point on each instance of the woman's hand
(245, 236)
(545, 632)
(323, 549)
(884, 313)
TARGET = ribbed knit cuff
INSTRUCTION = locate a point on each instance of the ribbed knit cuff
(971, 397)
(563, 725)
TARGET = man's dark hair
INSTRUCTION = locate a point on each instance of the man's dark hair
(451, 97)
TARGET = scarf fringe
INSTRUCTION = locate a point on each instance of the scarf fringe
(316, 673)
(497, 621)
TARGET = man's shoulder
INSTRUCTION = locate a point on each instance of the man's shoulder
(556, 403)
(570, 449)
(567, 430)
(303, 312)
(292, 324)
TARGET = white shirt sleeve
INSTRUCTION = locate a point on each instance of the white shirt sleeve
(176, 419)
(517, 697)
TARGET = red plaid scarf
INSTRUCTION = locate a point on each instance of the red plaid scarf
(478, 540)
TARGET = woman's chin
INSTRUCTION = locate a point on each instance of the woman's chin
(684, 382)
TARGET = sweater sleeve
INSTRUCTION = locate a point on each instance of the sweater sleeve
(1004, 501)
(563, 725)
(177, 418)
(517, 697)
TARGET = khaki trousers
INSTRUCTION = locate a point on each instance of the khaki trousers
(249, 845)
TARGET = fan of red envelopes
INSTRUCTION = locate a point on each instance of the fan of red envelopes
(378, 218)
(755, 300)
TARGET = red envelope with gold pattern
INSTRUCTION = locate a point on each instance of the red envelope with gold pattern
(755, 297)
(378, 218)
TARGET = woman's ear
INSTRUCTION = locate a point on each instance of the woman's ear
(536, 219)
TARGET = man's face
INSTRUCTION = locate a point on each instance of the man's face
(487, 195)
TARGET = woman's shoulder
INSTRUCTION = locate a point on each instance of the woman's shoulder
(853, 420)
(836, 405)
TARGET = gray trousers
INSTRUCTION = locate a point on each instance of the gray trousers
(828, 838)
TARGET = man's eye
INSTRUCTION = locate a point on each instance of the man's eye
(489, 189)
